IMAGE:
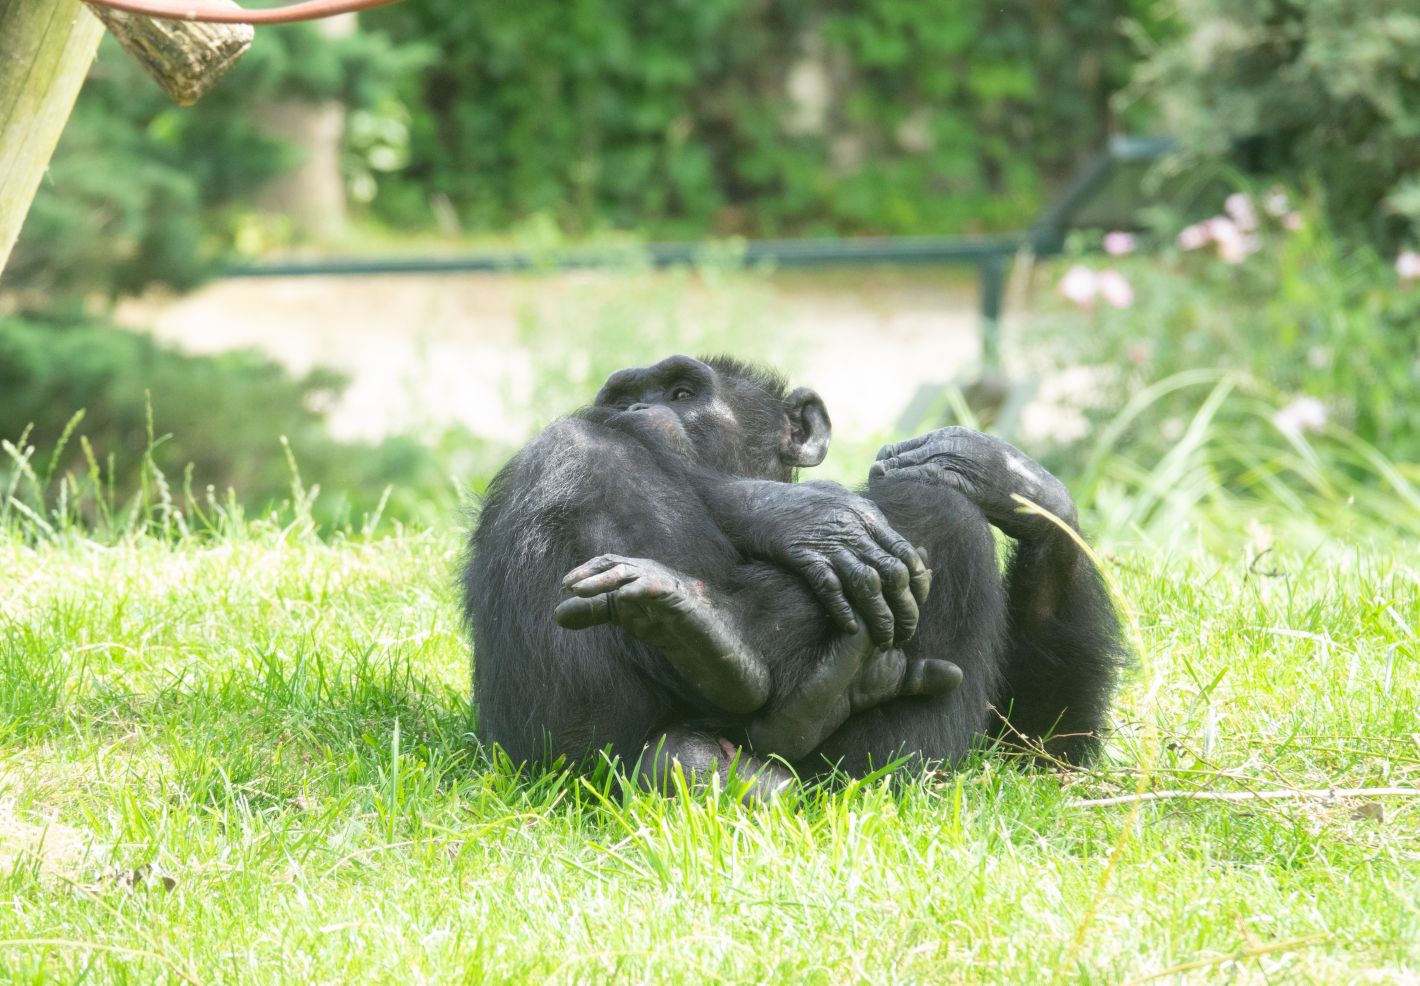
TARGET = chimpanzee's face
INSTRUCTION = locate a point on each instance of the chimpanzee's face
(681, 404)
(723, 421)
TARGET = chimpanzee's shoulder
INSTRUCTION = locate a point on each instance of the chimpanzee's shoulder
(577, 439)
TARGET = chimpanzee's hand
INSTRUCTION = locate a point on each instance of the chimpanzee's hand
(843, 547)
(986, 470)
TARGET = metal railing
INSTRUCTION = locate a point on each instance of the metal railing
(988, 254)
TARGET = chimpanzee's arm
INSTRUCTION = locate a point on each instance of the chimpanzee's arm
(839, 542)
(1063, 648)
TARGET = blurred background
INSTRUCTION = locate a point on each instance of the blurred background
(1220, 341)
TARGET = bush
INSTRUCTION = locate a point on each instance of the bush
(932, 117)
(234, 411)
(1281, 360)
(1321, 90)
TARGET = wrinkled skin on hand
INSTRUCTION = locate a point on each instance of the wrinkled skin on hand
(987, 471)
(840, 543)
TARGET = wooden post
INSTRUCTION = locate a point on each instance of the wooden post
(46, 47)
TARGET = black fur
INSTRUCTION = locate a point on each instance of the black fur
(1040, 645)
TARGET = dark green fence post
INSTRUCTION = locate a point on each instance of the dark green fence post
(992, 271)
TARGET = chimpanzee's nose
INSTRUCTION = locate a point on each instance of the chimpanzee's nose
(639, 406)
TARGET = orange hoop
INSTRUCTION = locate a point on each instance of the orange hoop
(209, 13)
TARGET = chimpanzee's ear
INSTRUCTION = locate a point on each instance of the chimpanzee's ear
(809, 429)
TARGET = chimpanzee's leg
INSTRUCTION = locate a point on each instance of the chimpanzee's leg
(963, 621)
(1062, 650)
(719, 640)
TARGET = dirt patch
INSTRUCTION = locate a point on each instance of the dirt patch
(57, 849)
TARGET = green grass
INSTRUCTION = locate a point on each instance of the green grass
(246, 758)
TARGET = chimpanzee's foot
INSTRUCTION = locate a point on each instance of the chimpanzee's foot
(986, 470)
(696, 757)
(890, 674)
(851, 676)
(673, 613)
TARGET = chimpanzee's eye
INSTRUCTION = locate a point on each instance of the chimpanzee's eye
(681, 393)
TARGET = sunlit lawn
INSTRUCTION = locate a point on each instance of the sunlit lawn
(247, 759)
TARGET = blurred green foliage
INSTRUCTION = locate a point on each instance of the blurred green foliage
(1286, 373)
(141, 190)
(1326, 91)
(933, 116)
(231, 410)
(730, 116)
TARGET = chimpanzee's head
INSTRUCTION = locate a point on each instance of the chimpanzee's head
(720, 413)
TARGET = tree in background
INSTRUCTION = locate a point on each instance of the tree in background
(142, 191)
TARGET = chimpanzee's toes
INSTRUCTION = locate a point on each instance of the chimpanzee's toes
(690, 757)
(581, 612)
(930, 676)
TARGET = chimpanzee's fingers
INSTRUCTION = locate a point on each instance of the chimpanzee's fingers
(879, 679)
(930, 676)
(922, 553)
(919, 575)
(865, 588)
(953, 449)
(921, 579)
(589, 568)
(904, 460)
(578, 614)
(612, 578)
(829, 590)
(897, 448)
(897, 591)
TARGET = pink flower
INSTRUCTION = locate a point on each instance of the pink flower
(1080, 285)
(1407, 265)
(1118, 243)
(1276, 203)
(1222, 228)
(1229, 238)
(1302, 415)
(1239, 207)
(1115, 289)
(1231, 251)
(1292, 222)
(1234, 244)
(1193, 237)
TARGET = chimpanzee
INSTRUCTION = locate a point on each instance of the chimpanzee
(646, 577)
